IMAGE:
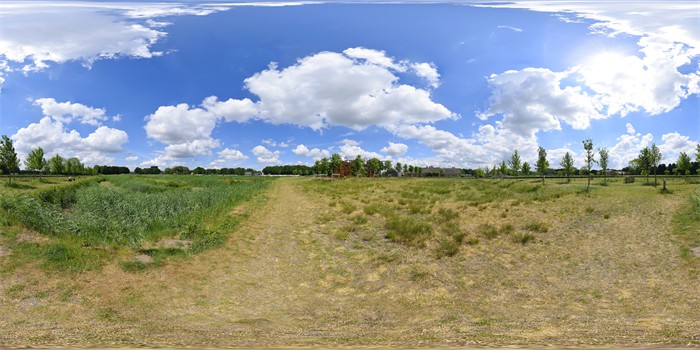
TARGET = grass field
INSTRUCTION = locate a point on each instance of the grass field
(354, 262)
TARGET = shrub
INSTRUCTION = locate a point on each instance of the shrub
(447, 246)
(489, 231)
(629, 179)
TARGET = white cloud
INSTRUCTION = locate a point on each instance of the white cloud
(54, 138)
(533, 100)
(232, 154)
(427, 71)
(375, 57)
(650, 81)
(332, 89)
(265, 156)
(675, 143)
(314, 153)
(628, 147)
(515, 29)
(186, 131)
(230, 110)
(395, 149)
(351, 149)
(630, 128)
(273, 143)
(131, 158)
(67, 111)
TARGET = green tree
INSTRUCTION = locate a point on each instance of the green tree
(697, 153)
(324, 166)
(684, 164)
(589, 160)
(655, 158)
(405, 168)
(374, 165)
(358, 165)
(9, 162)
(643, 162)
(73, 166)
(399, 167)
(514, 163)
(35, 160)
(387, 165)
(56, 164)
(526, 169)
(604, 154)
(503, 169)
(567, 164)
(542, 162)
(336, 163)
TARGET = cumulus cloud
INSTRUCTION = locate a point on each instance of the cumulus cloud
(627, 147)
(273, 143)
(673, 144)
(350, 149)
(131, 158)
(55, 138)
(67, 111)
(532, 100)
(334, 89)
(395, 149)
(314, 153)
(265, 156)
(232, 154)
(619, 84)
(427, 71)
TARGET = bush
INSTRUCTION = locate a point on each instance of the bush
(629, 179)
(522, 238)
(447, 246)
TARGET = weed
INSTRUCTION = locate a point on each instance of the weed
(489, 231)
(407, 229)
(472, 240)
(447, 246)
(358, 219)
(446, 215)
(537, 226)
(107, 314)
(347, 208)
(521, 238)
(506, 229)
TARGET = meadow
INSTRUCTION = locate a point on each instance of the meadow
(385, 261)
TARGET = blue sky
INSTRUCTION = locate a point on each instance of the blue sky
(261, 83)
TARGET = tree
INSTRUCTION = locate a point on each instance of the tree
(684, 164)
(526, 168)
(73, 166)
(542, 163)
(655, 155)
(514, 163)
(405, 168)
(8, 157)
(604, 163)
(503, 169)
(590, 160)
(357, 166)
(567, 163)
(643, 162)
(56, 164)
(374, 165)
(697, 153)
(399, 167)
(35, 160)
(387, 165)
(336, 163)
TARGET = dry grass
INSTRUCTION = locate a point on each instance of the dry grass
(285, 279)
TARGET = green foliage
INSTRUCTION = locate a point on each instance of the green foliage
(9, 163)
(538, 226)
(514, 163)
(522, 238)
(629, 179)
(603, 161)
(567, 163)
(35, 160)
(487, 230)
(447, 246)
(56, 164)
(589, 159)
(683, 163)
(526, 169)
(542, 163)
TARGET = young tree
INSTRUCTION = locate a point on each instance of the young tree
(514, 163)
(56, 164)
(503, 169)
(590, 160)
(399, 167)
(655, 155)
(35, 160)
(405, 168)
(542, 163)
(643, 162)
(604, 163)
(684, 164)
(567, 163)
(8, 157)
(526, 168)
(697, 153)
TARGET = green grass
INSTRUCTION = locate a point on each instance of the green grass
(87, 216)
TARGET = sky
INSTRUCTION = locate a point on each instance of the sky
(252, 84)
